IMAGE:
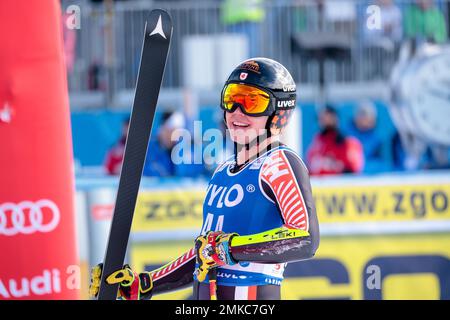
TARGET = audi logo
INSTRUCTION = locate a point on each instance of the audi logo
(28, 217)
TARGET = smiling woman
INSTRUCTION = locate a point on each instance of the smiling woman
(258, 213)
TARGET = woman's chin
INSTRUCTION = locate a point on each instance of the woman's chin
(243, 139)
(243, 136)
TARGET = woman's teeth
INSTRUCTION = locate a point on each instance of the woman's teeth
(240, 124)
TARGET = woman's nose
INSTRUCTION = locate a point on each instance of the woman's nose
(238, 110)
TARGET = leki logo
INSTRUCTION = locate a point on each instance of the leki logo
(28, 217)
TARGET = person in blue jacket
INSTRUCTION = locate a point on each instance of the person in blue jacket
(158, 162)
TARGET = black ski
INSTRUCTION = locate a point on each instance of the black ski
(158, 32)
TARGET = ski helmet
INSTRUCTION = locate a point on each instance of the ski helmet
(273, 78)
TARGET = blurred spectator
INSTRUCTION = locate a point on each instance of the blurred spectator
(424, 21)
(158, 162)
(331, 152)
(245, 17)
(381, 42)
(390, 32)
(114, 157)
(363, 128)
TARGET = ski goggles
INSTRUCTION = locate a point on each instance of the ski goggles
(253, 101)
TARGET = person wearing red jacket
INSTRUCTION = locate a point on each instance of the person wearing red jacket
(331, 152)
(114, 157)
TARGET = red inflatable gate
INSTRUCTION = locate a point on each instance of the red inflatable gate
(37, 228)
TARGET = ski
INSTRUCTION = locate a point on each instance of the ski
(158, 32)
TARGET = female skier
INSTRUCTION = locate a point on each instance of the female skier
(259, 203)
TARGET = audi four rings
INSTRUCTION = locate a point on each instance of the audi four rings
(27, 217)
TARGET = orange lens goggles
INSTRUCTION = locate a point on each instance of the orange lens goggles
(254, 101)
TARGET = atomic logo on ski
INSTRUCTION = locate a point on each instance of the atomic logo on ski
(158, 29)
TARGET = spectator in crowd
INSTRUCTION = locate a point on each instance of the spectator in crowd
(114, 157)
(363, 128)
(159, 161)
(244, 17)
(381, 39)
(388, 33)
(425, 21)
(331, 152)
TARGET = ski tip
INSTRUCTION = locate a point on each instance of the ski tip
(159, 23)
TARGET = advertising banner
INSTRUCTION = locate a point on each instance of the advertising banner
(381, 238)
(381, 200)
(366, 267)
(37, 222)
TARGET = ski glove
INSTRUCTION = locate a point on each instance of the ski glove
(132, 286)
(212, 250)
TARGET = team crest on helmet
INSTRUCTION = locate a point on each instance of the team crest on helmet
(243, 75)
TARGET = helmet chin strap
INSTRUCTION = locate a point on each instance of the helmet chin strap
(245, 153)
